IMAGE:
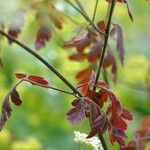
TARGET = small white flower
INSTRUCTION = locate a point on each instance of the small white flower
(93, 142)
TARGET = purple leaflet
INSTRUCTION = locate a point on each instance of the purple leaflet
(6, 111)
(116, 33)
(15, 98)
(76, 114)
(99, 125)
(43, 36)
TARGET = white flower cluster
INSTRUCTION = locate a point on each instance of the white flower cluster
(93, 142)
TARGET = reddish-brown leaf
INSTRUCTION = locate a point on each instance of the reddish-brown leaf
(109, 61)
(145, 123)
(104, 97)
(84, 73)
(81, 41)
(126, 114)
(77, 56)
(98, 97)
(37, 80)
(118, 122)
(20, 75)
(101, 26)
(84, 77)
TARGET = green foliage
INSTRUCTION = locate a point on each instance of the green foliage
(40, 123)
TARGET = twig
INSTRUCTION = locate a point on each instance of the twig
(102, 59)
(49, 87)
(43, 61)
(105, 43)
(95, 10)
(81, 8)
(70, 18)
(60, 90)
(86, 17)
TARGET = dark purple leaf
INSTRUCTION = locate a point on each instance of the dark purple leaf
(75, 102)
(99, 126)
(78, 113)
(81, 41)
(117, 135)
(43, 35)
(6, 111)
(13, 32)
(15, 98)
(117, 34)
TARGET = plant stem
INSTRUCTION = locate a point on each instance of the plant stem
(81, 8)
(105, 43)
(95, 10)
(102, 59)
(86, 17)
(102, 141)
(60, 90)
(43, 61)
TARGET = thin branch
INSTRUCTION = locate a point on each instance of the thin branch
(100, 136)
(102, 59)
(48, 87)
(70, 18)
(85, 16)
(105, 43)
(43, 61)
(60, 90)
(81, 7)
(95, 10)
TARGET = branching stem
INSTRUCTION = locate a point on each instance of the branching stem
(105, 43)
(95, 10)
(43, 61)
(85, 16)
(102, 59)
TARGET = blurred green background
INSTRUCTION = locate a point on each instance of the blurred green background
(40, 122)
